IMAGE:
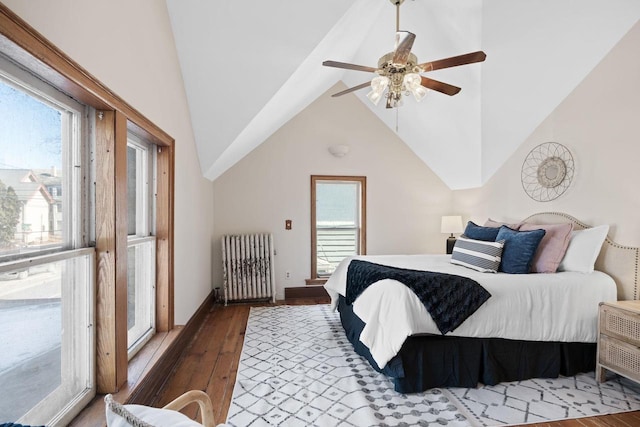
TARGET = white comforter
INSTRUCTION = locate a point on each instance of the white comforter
(533, 307)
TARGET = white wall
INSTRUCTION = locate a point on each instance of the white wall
(405, 200)
(128, 46)
(537, 53)
(600, 124)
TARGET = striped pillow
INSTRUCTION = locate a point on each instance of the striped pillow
(477, 254)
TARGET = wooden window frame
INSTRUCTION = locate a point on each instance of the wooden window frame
(22, 44)
(362, 180)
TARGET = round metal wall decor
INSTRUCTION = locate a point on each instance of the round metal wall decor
(547, 171)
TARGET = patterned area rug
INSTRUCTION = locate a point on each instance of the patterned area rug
(297, 368)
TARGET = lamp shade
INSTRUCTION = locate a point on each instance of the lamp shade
(451, 224)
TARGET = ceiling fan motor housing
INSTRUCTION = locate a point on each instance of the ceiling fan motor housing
(386, 63)
(396, 72)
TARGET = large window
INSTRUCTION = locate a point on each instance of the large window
(141, 243)
(46, 269)
(77, 202)
(338, 225)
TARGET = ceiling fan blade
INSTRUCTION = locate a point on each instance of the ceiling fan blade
(349, 66)
(454, 61)
(404, 43)
(352, 89)
(445, 88)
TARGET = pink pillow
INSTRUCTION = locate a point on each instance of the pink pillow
(498, 224)
(552, 247)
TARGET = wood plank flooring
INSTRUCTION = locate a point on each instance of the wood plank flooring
(210, 363)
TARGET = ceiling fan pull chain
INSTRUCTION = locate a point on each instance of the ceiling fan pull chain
(397, 115)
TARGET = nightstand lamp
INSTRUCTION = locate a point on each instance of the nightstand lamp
(451, 224)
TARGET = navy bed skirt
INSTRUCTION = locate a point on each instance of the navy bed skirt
(430, 361)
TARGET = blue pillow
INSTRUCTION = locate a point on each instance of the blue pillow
(476, 232)
(519, 249)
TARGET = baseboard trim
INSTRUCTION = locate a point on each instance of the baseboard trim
(145, 391)
(305, 292)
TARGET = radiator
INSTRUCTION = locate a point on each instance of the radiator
(247, 267)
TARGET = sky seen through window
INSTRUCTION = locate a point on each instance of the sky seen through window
(29, 132)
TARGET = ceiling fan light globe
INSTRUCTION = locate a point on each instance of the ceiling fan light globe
(374, 97)
(411, 80)
(379, 84)
(419, 92)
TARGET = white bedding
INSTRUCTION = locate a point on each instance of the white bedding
(533, 307)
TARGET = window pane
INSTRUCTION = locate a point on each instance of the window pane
(32, 184)
(337, 203)
(337, 223)
(132, 176)
(140, 292)
(32, 369)
(131, 287)
(41, 372)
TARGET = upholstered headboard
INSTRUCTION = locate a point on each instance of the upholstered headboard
(618, 261)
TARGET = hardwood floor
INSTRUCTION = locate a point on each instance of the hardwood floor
(210, 363)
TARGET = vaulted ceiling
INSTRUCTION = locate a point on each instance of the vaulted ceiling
(249, 66)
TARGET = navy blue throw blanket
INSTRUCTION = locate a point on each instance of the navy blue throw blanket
(448, 298)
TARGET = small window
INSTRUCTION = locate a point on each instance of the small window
(141, 276)
(337, 222)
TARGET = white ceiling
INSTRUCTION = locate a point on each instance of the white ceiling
(249, 66)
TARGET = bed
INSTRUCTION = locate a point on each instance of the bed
(532, 326)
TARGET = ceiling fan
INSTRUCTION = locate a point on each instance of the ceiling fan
(398, 71)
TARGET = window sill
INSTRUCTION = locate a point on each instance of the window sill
(316, 282)
(139, 366)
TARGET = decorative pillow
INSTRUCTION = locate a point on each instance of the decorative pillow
(519, 249)
(477, 232)
(498, 224)
(477, 254)
(583, 250)
(552, 246)
(144, 416)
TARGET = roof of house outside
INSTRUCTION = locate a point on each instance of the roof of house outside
(25, 183)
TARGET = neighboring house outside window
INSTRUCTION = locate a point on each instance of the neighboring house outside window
(37, 209)
(52, 180)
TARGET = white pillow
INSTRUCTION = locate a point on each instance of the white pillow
(583, 250)
(143, 416)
